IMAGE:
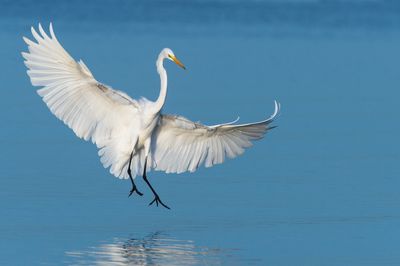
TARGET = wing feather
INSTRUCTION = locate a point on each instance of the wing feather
(91, 109)
(180, 145)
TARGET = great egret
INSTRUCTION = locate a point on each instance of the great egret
(132, 135)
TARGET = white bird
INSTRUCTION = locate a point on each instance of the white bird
(133, 136)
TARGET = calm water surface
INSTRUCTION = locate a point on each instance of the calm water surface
(321, 189)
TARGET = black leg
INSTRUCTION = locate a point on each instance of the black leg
(156, 199)
(134, 188)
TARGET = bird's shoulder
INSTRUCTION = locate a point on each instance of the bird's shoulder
(178, 121)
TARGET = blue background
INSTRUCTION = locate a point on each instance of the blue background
(321, 189)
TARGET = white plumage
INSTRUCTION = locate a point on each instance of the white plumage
(180, 145)
(124, 128)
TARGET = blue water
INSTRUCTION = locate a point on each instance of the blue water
(321, 189)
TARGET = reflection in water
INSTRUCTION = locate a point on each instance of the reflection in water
(156, 249)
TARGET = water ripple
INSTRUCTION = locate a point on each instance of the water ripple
(155, 249)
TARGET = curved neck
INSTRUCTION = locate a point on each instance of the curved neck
(163, 87)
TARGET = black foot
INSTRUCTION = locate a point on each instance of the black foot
(157, 200)
(137, 191)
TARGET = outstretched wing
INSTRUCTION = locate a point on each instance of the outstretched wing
(180, 145)
(92, 110)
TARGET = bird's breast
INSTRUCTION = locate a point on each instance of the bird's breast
(146, 130)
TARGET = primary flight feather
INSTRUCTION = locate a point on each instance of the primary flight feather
(132, 135)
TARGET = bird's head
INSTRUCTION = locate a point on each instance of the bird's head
(168, 54)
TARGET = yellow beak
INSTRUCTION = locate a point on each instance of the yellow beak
(176, 61)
